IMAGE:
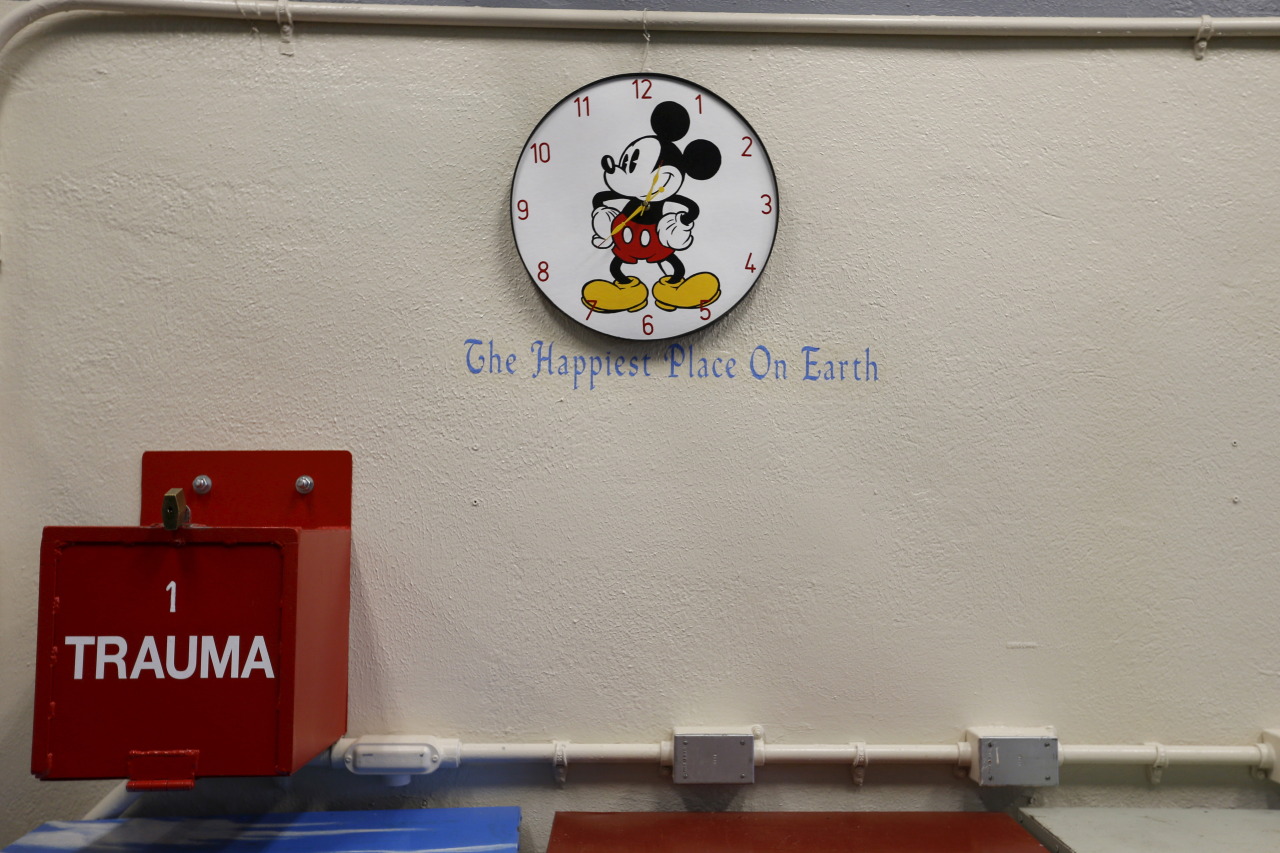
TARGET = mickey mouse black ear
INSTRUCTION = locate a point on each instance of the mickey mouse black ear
(669, 121)
(701, 159)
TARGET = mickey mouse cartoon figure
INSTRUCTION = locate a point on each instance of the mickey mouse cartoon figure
(644, 219)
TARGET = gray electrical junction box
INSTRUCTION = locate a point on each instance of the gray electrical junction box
(713, 757)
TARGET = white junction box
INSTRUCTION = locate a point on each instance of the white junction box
(1008, 755)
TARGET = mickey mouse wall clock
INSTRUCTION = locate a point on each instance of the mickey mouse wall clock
(644, 206)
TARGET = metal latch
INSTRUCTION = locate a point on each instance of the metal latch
(175, 513)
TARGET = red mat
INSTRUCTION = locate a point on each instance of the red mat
(789, 832)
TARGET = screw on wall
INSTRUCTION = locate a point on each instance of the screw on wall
(304, 484)
(202, 485)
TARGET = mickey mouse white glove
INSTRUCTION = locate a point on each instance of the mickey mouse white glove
(674, 232)
(602, 223)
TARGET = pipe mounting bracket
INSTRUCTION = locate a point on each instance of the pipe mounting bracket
(560, 760)
(859, 763)
(1156, 771)
(284, 20)
(1201, 45)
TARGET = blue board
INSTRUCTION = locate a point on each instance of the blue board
(480, 830)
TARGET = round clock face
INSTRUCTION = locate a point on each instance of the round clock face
(644, 206)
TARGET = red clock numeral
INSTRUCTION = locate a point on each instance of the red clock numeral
(522, 207)
(541, 152)
(591, 307)
(703, 311)
(584, 106)
(746, 152)
(768, 203)
(698, 98)
(749, 267)
(646, 324)
(544, 271)
(648, 87)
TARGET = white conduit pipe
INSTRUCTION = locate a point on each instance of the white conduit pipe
(956, 753)
(598, 753)
(1258, 755)
(1261, 756)
(1200, 28)
(660, 753)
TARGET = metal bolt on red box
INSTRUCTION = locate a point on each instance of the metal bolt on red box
(209, 641)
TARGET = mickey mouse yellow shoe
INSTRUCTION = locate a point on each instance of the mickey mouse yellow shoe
(693, 292)
(608, 297)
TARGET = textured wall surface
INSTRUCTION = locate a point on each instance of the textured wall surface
(1055, 506)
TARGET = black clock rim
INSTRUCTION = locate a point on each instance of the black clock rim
(777, 202)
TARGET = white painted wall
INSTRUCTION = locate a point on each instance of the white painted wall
(1061, 255)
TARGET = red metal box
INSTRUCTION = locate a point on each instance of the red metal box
(216, 649)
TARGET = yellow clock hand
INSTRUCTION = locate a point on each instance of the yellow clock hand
(623, 224)
(643, 207)
(652, 192)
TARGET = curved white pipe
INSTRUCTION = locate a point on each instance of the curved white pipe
(1260, 755)
(738, 22)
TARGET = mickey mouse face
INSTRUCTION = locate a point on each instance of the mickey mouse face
(654, 167)
(640, 173)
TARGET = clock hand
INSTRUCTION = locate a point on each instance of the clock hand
(652, 192)
(643, 207)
